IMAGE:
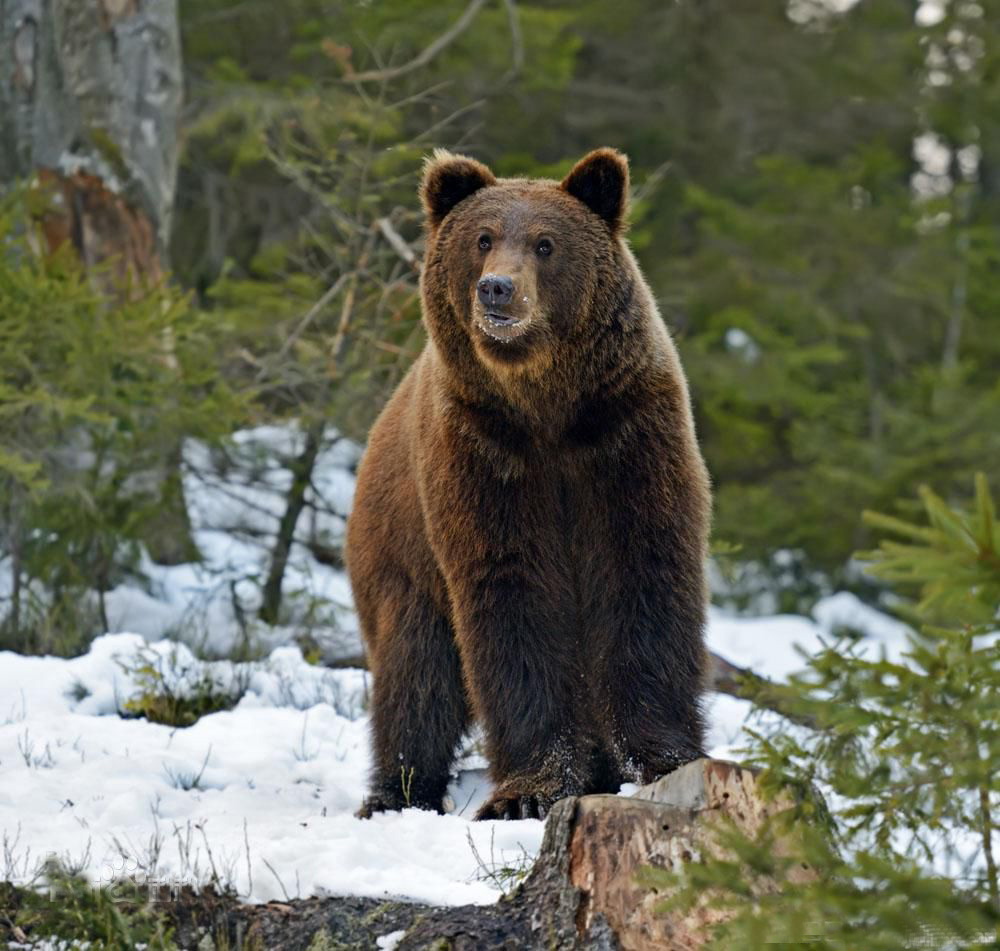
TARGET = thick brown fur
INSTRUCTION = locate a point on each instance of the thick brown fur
(529, 532)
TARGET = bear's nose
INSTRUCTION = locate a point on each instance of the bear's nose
(495, 291)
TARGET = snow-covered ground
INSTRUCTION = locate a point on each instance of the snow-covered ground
(261, 797)
(235, 502)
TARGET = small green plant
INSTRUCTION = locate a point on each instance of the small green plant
(73, 913)
(187, 779)
(175, 692)
(504, 873)
(906, 750)
(406, 781)
(322, 941)
(77, 691)
(96, 398)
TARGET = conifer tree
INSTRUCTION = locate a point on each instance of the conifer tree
(905, 751)
(92, 401)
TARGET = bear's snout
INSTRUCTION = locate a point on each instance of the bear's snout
(495, 290)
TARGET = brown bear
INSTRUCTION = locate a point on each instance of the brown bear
(529, 531)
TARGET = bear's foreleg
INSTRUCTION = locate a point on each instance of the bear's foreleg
(652, 658)
(493, 540)
(418, 709)
(525, 695)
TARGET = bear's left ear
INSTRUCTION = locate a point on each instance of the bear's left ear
(600, 181)
(447, 180)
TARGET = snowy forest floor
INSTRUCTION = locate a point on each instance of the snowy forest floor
(258, 799)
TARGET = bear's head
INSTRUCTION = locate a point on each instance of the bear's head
(521, 266)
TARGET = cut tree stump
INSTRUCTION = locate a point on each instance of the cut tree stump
(584, 893)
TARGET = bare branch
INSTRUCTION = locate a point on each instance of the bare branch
(398, 243)
(423, 58)
(735, 681)
(516, 41)
(653, 179)
(346, 311)
(422, 94)
(306, 320)
(441, 123)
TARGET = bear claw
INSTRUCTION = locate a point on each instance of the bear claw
(514, 807)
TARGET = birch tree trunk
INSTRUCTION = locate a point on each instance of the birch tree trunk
(90, 97)
(90, 93)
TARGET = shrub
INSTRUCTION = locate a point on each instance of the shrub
(906, 750)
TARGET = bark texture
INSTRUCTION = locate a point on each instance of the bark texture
(583, 893)
(90, 93)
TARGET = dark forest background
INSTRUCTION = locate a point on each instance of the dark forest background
(816, 206)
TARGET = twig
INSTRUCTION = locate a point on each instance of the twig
(398, 243)
(652, 180)
(277, 878)
(347, 310)
(423, 94)
(516, 42)
(461, 811)
(216, 880)
(431, 131)
(423, 58)
(246, 843)
(306, 320)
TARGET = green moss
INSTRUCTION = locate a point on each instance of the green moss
(323, 942)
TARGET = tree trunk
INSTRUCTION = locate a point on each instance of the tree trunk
(10, 628)
(295, 502)
(90, 94)
(90, 97)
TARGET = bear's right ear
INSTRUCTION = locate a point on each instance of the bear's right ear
(447, 180)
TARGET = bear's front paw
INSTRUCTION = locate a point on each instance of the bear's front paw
(645, 768)
(377, 802)
(393, 802)
(515, 807)
(522, 798)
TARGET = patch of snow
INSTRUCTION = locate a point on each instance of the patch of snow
(846, 610)
(264, 793)
(738, 341)
(772, 645)
(389, 942)
(726, 718)
(235, 502)
(930, 12)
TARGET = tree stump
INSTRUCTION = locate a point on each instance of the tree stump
(584, 891)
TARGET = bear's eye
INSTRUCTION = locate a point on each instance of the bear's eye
(485, 242)
(543, 248)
